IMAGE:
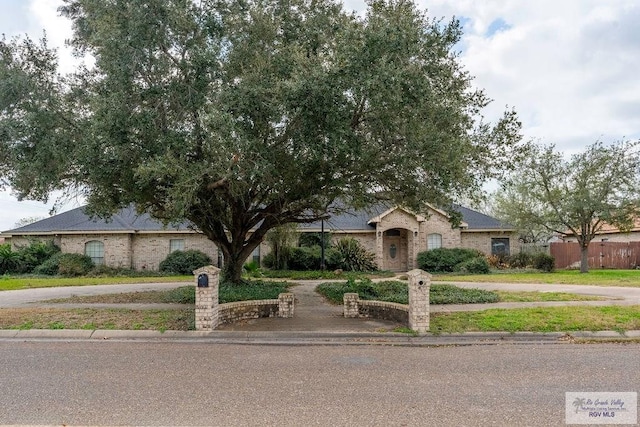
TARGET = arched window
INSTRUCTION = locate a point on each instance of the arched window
(434, 241)
(95, 250)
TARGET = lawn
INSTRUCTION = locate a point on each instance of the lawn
(540, 319)
(8, 283)
(629, 278)
(547, 319)
(396, 291)
(88, 318)
(323, 274)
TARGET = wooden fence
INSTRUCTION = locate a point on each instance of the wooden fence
(601, 254)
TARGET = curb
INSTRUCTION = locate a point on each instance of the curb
(309, 338)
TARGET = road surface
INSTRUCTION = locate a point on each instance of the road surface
(198, 383)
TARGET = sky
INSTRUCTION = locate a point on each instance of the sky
(569, 68)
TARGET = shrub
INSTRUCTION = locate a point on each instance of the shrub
(50, 266)
(304, 258)
(74, 264)
(35, 254)
(499, 261)
(444, 260)
(310, 240)
(252, 269)
(521, 260)
(352, 256)
(474, 266)
(269, 260)
(544, 262)
(396, 291)
(9, 260)
(184, 262)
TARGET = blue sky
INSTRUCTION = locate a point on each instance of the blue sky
(568, 67)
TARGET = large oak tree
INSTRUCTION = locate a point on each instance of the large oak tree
(239, 116)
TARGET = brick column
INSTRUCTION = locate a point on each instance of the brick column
(419, 284)
(286, 305)
(351, 303)
(207, 298)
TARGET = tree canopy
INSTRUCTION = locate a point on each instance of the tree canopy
(577, 196)
(240, 116)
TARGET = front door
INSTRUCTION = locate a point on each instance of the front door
(395, 250)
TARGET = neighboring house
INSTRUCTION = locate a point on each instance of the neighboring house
(609, 233)
(395, 235)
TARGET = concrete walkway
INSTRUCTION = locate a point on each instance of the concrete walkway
(312, 313)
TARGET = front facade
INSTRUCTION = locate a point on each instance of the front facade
(395, 235)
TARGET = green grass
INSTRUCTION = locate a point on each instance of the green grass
(52, 318)
(548, 319)
(629, 278)
(252, 290)
(541, 319)
(185, 294)
(396, 291)
(544, 296)
(8, 283)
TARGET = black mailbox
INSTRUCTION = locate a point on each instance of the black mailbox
(203, 280)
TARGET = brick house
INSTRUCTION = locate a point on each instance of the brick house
(395, 235)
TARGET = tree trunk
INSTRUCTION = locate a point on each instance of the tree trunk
(232, 271)
(584, 258)
(235, 255)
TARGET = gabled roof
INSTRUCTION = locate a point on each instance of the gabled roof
(479, 221)
(379, 218)
(127, 220)
(77, 220)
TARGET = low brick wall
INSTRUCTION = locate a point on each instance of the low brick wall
(232, 312)
(243, 310)
(384, 310)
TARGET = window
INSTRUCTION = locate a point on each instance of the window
(95, 250)
(393, 250)
(176, 245)
(499, 246)
(255, 255)
(434, 241)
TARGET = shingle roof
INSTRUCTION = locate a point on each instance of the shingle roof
(480, 221)
(127, 219)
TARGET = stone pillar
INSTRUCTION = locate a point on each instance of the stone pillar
(286, 305)
(351, 305)
(379, 248)
(419, 284)
(207, 297)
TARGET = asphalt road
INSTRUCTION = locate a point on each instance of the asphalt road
(196, 383)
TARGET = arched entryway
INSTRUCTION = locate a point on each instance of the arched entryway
(395, 255)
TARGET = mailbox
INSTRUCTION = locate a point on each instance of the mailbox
(203, 280)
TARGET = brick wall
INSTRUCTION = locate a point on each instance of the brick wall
(482, 241)
(117, 247)
(437, 223)
(150, 249)
(368, 240)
